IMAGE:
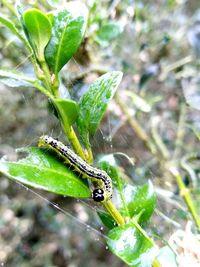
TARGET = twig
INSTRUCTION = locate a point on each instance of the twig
(180, 131)
(136, 126)
(185, 193)
(158, 141)
(174, 66)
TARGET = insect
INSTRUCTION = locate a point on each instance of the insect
(101, 180)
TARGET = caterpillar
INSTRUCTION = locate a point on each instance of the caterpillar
(101, 180)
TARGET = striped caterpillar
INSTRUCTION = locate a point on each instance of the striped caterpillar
(101, 180)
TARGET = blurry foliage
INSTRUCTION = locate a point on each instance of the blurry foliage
(156, 44)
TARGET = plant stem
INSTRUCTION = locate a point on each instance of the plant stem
(71, 135)
(175, 66)
(46, 78)
(90, 155)
(185, 193)
(109, 206)
(139, 228)
(156, 263)
(158, 141)
(9, 6)
(52, 86)
(136, 126)
(180, 131)
(186, 166)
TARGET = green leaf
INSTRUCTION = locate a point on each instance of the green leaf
(11, 26)
(18, 79)
(68, 30)
(109, 165)
(131, 245)
(43, 170)
(106, 219)
(39, 29)
(94, 103)
(107, 33)
(138, 199)
(68, 110)
(131, 200)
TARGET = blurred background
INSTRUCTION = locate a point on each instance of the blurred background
(156, 44)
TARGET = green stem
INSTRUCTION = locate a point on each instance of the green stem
(52, 86)
(46, 78)
(185, 193)
(156, 263)
(109, 206)
(90, 155)
(136, 224)
(72, 137)
(9, 6)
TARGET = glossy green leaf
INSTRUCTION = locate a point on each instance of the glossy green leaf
(18, 79)
(138, 199)
(106, 219)
(43, 170)
(68, 28)
(107, 33)
(94, 103)
(131, 245)
(108, 164)
(131, 200)
(39, 29)
(68, 110)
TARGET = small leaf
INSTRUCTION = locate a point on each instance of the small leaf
(107, 33)
(108, 164)
(68, 110)
(106, 219)
(43, 170)
(139, 102)
(39, 29)
(138, 199)
(11, 26)
(131, 200)
(68, 29)
(130, 245)
(18, 79)
(94, 103)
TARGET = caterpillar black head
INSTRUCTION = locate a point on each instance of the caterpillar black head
(98, 195)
